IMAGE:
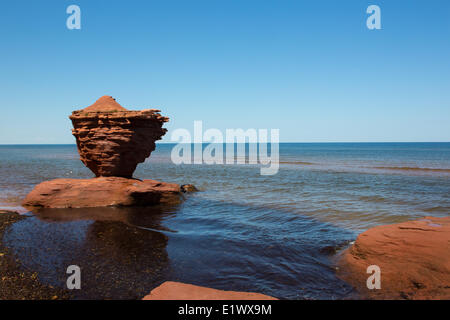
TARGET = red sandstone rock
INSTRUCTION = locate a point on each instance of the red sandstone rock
(414, 258)
(99, 192)
(181, 291)
(188, 188)
(112, 140)
(105, 104)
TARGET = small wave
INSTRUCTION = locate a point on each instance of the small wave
(298, 162)
(372, 198)
(415, 169)
(17, 209)
(333, 249)
(437, 209)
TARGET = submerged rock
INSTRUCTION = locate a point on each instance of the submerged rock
(170, 290)
(100, 192)
(7, 212)
(112, 140)
(188, 188)
(413, 256)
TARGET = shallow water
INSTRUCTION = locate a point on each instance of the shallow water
(243, 231)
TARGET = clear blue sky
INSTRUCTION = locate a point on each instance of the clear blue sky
(310, 68)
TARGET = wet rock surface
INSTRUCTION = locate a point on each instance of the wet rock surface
(101, 192)
(170, 290)
(413, 256)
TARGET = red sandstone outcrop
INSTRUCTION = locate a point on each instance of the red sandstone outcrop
(170, 290)
(111, 140)
(414, 258)
(100, 192)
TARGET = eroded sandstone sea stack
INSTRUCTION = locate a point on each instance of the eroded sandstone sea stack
(111, 141)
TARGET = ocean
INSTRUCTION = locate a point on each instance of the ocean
(274, 234)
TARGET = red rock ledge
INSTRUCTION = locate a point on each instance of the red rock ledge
(170, 290)
(100, 192)
(414, 258)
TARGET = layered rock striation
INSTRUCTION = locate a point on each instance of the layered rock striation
(112, 140)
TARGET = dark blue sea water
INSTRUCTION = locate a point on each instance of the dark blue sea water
(243, 231)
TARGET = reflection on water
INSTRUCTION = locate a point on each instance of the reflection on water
(125, 252)
(141, 217)
(117, 259)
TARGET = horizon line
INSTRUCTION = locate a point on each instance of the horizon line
(284, 142)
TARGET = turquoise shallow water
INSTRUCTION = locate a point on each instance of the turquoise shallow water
(243, 231)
